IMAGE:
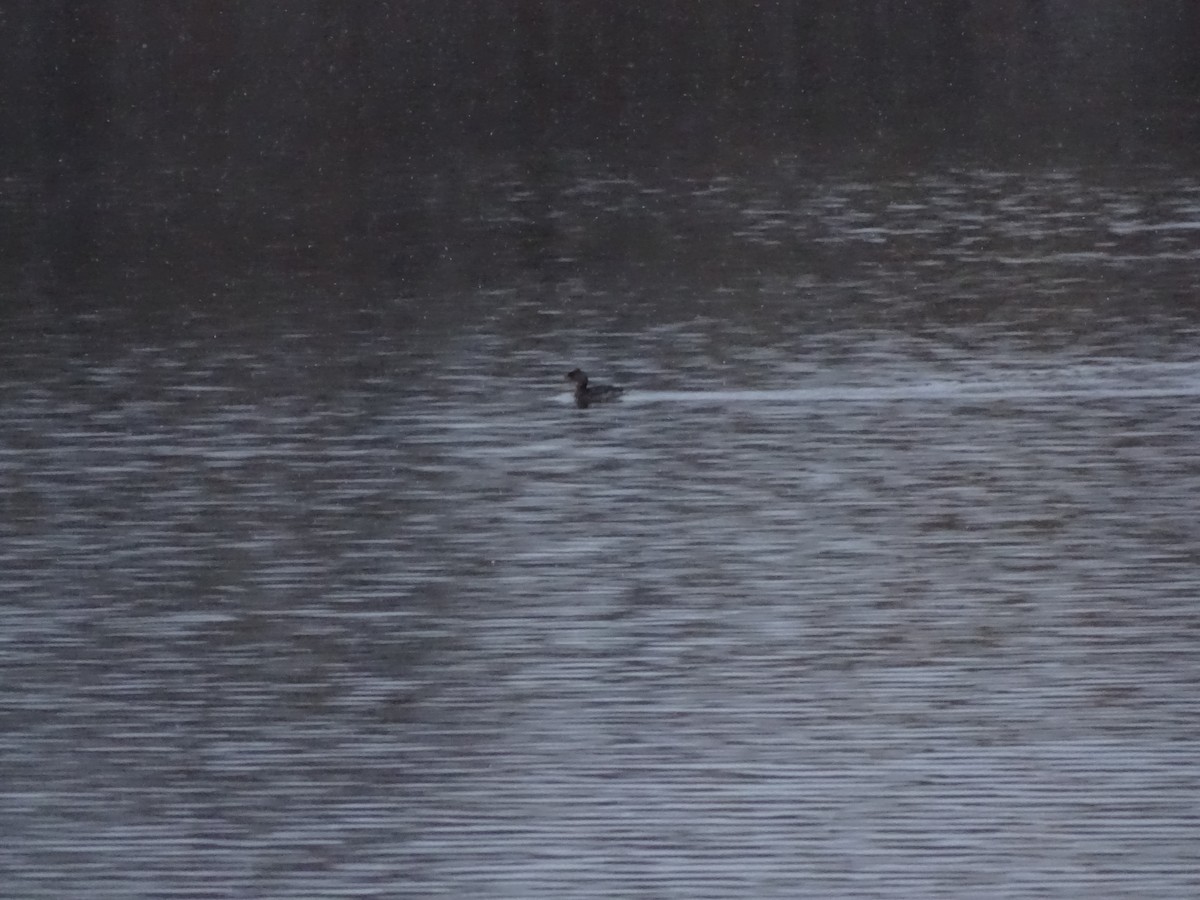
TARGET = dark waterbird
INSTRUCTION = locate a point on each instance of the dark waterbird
(587, 394)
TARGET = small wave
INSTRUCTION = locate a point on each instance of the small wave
(931, 391)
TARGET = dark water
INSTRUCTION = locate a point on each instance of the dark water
(881, 581)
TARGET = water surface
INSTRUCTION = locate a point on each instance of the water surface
(880, 582)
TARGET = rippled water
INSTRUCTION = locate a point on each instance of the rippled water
(880, 582)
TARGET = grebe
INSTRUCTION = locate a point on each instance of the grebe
(586, 395)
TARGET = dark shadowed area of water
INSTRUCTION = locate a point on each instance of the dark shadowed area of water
(881, 581)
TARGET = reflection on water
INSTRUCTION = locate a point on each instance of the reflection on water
(880, 581)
